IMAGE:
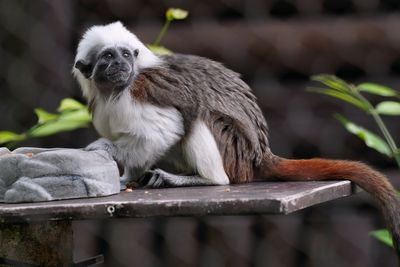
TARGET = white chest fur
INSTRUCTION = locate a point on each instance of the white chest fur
(141, 131)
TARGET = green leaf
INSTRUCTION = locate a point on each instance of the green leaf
(159, 50)
(44, 116)
(332, 82)
(7, 136)
(70, 104)
(176, 14)
(388, 108)
(73, 115)
(65, 122)
(370, 139)
(77, 115)
(56, 127)
(342, 96)
(383, 236)
(377, 89)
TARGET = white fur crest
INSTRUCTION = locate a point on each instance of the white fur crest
(114, 34)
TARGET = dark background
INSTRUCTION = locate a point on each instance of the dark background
(276, 46)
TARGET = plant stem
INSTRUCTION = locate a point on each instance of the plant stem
(387, 135)
(162, 32)
(382, 127)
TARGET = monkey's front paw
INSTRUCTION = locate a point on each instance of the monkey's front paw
(100, 144)
(157, 178)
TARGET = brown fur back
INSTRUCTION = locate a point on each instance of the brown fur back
(201, 89)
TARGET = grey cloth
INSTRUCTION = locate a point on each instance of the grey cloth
(38, 174)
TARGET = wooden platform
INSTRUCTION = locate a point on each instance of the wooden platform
(41, 234)
(254, 198)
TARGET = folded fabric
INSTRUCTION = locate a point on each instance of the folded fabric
(38, 174)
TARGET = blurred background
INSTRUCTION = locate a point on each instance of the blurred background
(276, 45)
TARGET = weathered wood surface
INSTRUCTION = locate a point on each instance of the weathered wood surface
(36, 244)
(254, 198)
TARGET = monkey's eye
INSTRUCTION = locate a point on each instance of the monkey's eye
(136, 52)
(108, 55)
(126, 54)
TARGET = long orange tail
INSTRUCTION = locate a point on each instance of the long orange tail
(364, 176)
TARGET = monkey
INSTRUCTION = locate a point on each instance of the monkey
(197, 119)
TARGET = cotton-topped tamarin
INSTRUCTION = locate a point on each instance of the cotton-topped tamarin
(195, 117)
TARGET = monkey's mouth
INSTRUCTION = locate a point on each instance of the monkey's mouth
(118, 76)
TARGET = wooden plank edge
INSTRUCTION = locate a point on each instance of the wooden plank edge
(318, 196)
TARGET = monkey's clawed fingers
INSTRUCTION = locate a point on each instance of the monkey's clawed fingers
(156, 178)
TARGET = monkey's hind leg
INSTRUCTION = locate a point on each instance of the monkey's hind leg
(158, 178)
(202, 155)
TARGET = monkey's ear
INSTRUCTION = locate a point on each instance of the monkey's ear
(84, 67)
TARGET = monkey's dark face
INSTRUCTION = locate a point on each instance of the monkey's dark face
(111, 68)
